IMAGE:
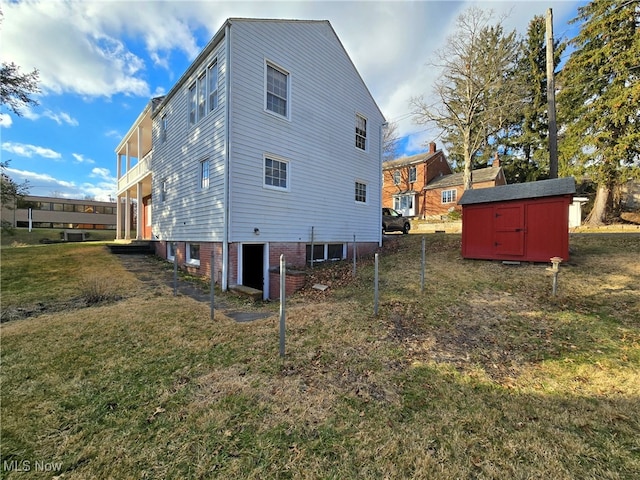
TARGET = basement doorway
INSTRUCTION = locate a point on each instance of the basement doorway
(253, 266)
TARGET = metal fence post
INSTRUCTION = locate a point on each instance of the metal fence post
(282, 302)
(375, 288)
(423, 265)
(212, 277)
(175, 269)
(354, 255)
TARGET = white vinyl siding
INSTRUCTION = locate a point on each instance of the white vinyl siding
(188, 212)
(318, 140)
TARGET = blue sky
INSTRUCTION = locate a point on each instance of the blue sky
(100, 63)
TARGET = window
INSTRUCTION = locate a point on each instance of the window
(163, 128)
(193, 100)
(204, 174)
(213, 86)
(163, 190)
(361, 132)
(202, 96)
(171, 251)
(412, 174)
(275, 173)
(361, 192)
(326, 251)
(449, 196)
(396, 177)
(277, 91)
(193, 253)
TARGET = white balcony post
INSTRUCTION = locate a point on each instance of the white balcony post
(118, 217)
(139, 234)
(127, 215)
(118, 165)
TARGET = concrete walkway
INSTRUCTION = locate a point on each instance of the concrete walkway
(154, 274)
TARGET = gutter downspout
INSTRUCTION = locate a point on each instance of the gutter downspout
(227, 138)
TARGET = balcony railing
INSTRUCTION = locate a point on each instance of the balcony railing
(135, 173)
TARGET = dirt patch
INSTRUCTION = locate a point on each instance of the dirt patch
(479, 332)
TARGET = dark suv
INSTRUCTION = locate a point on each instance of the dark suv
(392, 221)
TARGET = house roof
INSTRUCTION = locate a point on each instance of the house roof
(455, 179)
(517, 191)
(425, 157)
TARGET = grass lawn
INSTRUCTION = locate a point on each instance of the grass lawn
(483, 374)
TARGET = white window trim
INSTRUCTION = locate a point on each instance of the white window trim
(455, 196)
(170, 250)
(415, 174)
(192, 261)
(366, 132)
(213, 64)
(203, 162)
(397, 177)
(269, 63)
(366, 189)
(264, 173)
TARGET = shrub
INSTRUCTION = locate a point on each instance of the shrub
(97, 289)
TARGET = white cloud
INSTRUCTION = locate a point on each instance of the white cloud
(102, 173)
(81, 158)
(29, 151)
(5, 120)
(61, 118)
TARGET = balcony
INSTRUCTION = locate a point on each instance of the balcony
(135, 174)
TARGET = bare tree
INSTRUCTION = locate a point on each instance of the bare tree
(477, 92)
(389, 141)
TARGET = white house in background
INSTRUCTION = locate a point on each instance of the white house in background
(269, 143)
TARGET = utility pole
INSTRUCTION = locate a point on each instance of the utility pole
(551, 101)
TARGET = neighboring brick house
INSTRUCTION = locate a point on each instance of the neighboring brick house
(442, 194)
(270, 143)
(405, 179)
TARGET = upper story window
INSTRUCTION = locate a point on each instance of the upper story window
(164, 124)
(203, 94)
(193, 101)
(212, 77)
(204, 174)
(449, 196)
(163, 190)
(361, 192)
(396, 177)
(276, 173)
(413, 174)
(361, 132)
(277, 91)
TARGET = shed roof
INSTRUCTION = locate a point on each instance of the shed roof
(481, 175)
(517, 191)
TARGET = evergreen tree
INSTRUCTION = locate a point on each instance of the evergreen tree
(528, 138)
(599, 99)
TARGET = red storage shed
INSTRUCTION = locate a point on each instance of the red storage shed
(522, 222)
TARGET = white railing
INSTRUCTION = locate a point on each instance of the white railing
(136, 173)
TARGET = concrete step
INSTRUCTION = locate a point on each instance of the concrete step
(244, 291)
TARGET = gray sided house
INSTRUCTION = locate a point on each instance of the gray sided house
(270, 142)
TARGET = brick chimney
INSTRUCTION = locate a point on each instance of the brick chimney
(432, 147)
(496, 161)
